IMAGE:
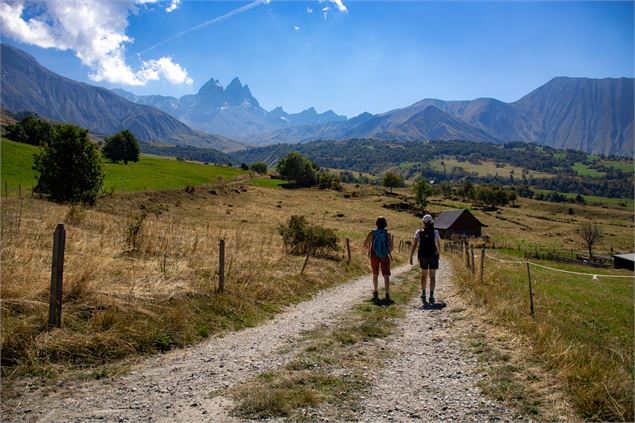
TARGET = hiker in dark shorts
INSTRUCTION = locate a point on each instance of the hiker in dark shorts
(428, 242)
(379, 245)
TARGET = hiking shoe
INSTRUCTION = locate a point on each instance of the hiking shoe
(431, 299)
(388, 301)
(375, 297)
(423, 300)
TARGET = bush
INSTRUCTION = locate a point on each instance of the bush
(69, 167)
(327, 180)
(298, 170)
(259, 167)
(122, 146)
(298, 235)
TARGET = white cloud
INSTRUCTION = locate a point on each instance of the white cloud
(173, 6)
(340, 5)
(309, 10)
(325, 11)
(95, 30)
(297, 28)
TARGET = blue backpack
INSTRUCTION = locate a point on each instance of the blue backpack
(381, 243)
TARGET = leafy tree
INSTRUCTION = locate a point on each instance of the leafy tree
(244, 166)
(259, 167)
(298, 170)
(422, 190)
(591, 233)
(468, 190)
(122, 146)
(391, 180)
(30, 130)
(69, 167)
(446, 189)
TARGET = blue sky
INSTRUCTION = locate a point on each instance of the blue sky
(376, 56)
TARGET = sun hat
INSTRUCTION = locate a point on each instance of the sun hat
(427, 218)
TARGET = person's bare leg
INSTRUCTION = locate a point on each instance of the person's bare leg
(375, 281)
(424, 280)
(387, 285)
(433, 281)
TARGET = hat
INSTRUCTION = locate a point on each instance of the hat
(427, 218)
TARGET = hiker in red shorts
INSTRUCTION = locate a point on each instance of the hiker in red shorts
(379, 245)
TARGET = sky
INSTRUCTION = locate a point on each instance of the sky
(348, 56)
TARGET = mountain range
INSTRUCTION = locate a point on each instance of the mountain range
(593, 115)
(28, 86)
(232, 111)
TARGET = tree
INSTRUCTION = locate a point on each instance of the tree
(391, 180)
(468, 190)
(69, 167)
(298, 170)
(30, 130)
(422, 190)
(122, 146)
(259, 167)
(591, 233)
(244, 166)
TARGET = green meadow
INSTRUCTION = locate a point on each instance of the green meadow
(151, 172)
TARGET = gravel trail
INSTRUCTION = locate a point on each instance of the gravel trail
(176, 387)
(429, 379)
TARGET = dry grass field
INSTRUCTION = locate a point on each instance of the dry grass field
(121, 299)
(486, 168)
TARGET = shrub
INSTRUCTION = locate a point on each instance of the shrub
(122, 146)
(243, 166)
(327, 180)
(298, 235)
(259, 167)
(69, 167)
(134, 231)
(391, 180)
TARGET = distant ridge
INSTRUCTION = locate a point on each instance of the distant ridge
(28, 86)
(592, 115)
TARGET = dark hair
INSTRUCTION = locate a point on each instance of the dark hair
(428, 226)
(381, 222)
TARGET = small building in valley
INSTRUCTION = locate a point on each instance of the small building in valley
(457, 222)
(624, 261)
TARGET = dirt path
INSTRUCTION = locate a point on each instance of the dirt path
(429, 379)
(176, 387)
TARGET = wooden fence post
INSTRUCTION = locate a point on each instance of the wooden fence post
(20, 191)
(57, 276)
(531, 292)
(467, 254)
(473, 266)
(221, 265)
(348, 250)
(482, 262)
(306, 260)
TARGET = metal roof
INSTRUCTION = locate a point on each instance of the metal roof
(445, 219)
(629, 257)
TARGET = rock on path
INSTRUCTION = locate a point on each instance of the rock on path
(429, 379)
(176, 387)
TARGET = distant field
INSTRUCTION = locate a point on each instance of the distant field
(584, 170)
(590, 199)
(267, 182)
(486, 168)
(623, 165)
(151, 172)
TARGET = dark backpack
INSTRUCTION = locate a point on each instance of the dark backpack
(427, 246)
(381, 243)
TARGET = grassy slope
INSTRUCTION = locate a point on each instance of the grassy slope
(151, 172)
(486, 168)
(583, 329)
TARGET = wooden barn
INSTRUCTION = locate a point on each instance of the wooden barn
(457, 222)
(623, 261)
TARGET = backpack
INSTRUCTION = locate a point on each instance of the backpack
(427, 245)
(381, 243)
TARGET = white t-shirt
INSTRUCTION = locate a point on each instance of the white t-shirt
(437, 237)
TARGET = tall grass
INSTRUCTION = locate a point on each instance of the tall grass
(124, 297)
(582, 331)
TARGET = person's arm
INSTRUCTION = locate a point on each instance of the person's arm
(412, 251)
(368, 242)
(391, 242)
(437, 242)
